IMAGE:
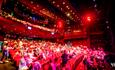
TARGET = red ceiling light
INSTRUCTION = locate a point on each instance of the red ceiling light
(88, 17)
(59, 23)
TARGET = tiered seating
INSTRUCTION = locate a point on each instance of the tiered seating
(46, 53)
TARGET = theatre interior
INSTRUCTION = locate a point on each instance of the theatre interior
(57, 35)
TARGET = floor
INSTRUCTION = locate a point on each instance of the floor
(7, 66)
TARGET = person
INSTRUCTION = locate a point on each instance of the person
(86, 63)
(1, 57)
(22, 64)
(64, 58)
(36, 65)
(52, 65)
(5, 53)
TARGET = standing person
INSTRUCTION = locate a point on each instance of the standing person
(1, 46)
(1, 57)
(22, 64)
(1, 51)
(36, 65)
(52, 65)
(5, 52)
(86, 63)
(64, 58)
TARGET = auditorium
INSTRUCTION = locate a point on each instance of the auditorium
(57, 35)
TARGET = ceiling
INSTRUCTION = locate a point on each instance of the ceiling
(49, 18)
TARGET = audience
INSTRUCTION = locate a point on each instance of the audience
(41, 55)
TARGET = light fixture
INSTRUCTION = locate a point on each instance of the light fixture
(29, 27)
(94, 0)
(107, 22)
(52, 33)
(68, 14)
(70, 10)
(37, 5)
(53, 2)
(63, 2)
(66, 6)
(95, 5)
(57, 5)
(31, 2)
(61, 9)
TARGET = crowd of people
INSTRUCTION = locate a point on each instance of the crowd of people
(45, 55)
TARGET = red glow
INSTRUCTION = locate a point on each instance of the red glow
(59, 24)
(89, 17)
